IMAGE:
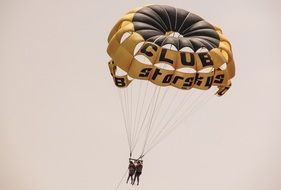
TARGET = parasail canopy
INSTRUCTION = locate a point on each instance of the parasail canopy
(162, 58)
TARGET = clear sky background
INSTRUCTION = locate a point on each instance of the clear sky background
(61, 126)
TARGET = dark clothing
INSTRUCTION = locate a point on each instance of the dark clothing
(139, 168)
(132, 170)
(138, 173)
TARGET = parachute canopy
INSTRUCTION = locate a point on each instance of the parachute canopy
(138, 45)
(157, 53)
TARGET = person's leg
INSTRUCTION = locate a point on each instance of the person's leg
(128, 178)
(138, 179)
(134, 179)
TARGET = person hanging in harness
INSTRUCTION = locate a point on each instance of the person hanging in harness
(132, 170)
(138, 172)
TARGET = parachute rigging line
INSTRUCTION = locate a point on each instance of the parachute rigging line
(124, 118)
(177, 124)
(122, 178)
